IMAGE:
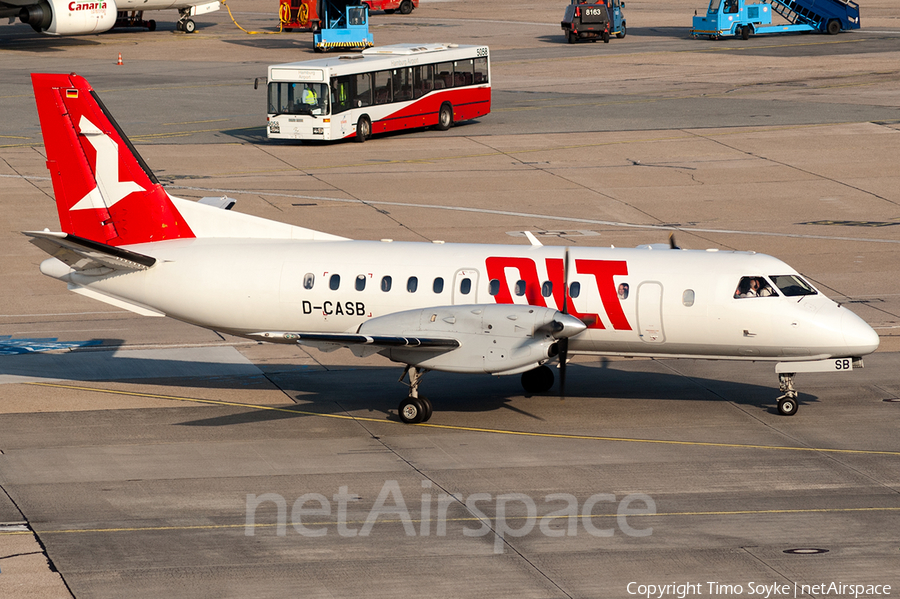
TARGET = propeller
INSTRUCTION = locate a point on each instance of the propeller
(564, 342)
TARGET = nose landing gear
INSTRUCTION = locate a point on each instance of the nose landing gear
(787, 403)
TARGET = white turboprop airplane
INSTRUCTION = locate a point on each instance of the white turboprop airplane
(81, 17)
(495, 309)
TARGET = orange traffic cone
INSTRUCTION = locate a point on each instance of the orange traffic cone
(118, 62)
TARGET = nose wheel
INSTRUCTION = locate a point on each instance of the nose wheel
(787, 403)
(414, 409)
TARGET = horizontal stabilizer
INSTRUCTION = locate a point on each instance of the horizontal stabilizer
(83, 254)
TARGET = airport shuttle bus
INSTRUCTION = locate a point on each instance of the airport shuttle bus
(389, 88)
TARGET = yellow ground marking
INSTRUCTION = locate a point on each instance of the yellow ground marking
(467, 428)
(311, 523)
(195, 122)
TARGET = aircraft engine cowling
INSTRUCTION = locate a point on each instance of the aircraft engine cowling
(70, 17)
(493, 338)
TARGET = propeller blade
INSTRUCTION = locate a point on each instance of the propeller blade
(565, 306)
(564, 341)
(563, 358)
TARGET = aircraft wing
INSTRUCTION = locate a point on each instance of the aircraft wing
(83, 254)
(360, 345)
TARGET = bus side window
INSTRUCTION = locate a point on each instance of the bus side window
(382, 87)
(481, 70)
(463, 70)
(422, 80)
(443, 75)
(363, 93)
(402, 84)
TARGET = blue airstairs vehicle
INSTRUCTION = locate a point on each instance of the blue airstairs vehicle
(743, 19)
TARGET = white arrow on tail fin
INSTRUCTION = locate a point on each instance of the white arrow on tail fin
(109, 189)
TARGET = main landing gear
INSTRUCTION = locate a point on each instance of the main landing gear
(787, 403)
(414, 409)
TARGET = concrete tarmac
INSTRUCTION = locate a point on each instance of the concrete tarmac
(143, 457)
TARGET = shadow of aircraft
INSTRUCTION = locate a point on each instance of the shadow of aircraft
(343, 390)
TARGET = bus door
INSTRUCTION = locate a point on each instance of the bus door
(341, 116)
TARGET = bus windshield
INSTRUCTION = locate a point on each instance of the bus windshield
(298, 98)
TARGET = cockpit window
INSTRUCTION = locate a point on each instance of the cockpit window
(754, 287)
(793, 285)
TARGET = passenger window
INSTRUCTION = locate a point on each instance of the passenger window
(334, 282)
(687, 298)
(793, 285)
(386, 283)
(309, 280)
(622, 291)
(520, 287)
(438, 285)
(547, 289)
(360, 282)
(494, 287)
(462, 73)
(363, 90)
(575, 289)
(465, 286)
(382, 87)
(402, 84)
(422, 80)
(412, 284)
(481, 70)
(443, 75)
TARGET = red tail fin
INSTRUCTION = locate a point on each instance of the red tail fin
(104, 190)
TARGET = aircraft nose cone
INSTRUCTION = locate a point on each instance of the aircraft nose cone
(860, 338)
(566, 325)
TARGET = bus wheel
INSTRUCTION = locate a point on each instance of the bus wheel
(363, 129)
(406, 7)
(621, 33)
(606, 37)
(445, 117)
(571, 37)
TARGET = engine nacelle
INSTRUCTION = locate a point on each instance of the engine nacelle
(493, 338)
(70, 17)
